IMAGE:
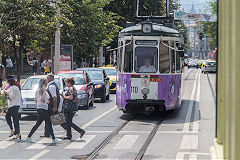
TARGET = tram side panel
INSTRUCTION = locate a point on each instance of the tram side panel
(161, 87)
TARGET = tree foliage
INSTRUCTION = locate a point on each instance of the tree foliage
(92, 27)
(210, 28)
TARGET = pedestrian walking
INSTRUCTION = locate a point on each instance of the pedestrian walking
(46, 64)
(9, 66)
(84, 63)
(54, 100)
(2, 74)
(13, 93)
(42, 100)
(70, 96)
(35, 65)
(41, 67)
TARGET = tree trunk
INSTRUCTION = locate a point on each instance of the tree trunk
(17, 58)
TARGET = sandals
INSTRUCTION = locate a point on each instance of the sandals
(11, 134)
(18, 136)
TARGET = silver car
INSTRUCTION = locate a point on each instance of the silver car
(28, 91)
(210, 66)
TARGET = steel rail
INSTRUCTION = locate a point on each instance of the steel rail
(149, 139)
(107, 140)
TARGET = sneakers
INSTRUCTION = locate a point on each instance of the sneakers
(29, 140)
(56, 140)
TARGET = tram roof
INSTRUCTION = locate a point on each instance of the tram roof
(157, 30)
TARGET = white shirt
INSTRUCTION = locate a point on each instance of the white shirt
(52, 89)
(14, 96)
(40, 104)
(9, 62)
(46, 64)
(149, 69)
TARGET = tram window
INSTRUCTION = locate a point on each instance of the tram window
(178, 60)
(128, 57)
(119, 60)
(173, 62)
(164, 61)
(146, 59)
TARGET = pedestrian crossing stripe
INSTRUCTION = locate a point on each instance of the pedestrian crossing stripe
(130, 140)
(41, 144)
(81, 143)
(6, 143)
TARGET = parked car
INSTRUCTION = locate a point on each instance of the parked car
(210, 66)
(101, 82)
(112, 74)
(192, 64)
(28, 91)
(84, 86)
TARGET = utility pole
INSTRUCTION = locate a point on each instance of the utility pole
(57, 40)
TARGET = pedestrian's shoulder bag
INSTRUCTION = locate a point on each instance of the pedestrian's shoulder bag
(70, 107)
(57, 119)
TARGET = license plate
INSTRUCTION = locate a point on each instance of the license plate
(31, 106)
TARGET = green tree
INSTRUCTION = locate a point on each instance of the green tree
(92, 27)
(28, 24)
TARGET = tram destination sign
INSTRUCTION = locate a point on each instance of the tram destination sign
(184, 16)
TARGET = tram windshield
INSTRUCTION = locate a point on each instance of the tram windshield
(146, 59)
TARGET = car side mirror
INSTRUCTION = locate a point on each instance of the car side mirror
(181, 51)
(107, 79)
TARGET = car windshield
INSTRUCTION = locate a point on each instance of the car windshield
(32, 83)
(211, 63)
(146, 59)
(78, 77)
(95, 74)
(111, 72)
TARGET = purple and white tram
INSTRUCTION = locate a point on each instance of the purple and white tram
(150, 69)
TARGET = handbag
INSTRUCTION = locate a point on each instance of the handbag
(57, 119)
(70, 107)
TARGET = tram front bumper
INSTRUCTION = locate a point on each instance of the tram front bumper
(144, 106)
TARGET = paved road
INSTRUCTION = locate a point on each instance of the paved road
(184, 134)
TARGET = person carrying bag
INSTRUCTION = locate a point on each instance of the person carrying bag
(42, 100)
(69, 109)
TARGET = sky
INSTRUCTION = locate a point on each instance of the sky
(200, 5)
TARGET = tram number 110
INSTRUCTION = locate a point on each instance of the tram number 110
(134, 89)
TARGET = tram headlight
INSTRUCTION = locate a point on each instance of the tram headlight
(146, 27)
(145, 90)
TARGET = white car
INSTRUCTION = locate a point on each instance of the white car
(28, 91)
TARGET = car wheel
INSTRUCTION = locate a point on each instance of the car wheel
(92, 102)
(103, 100)
(108, 97)
(86, 107)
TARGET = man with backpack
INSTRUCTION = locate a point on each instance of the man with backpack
(54, 98)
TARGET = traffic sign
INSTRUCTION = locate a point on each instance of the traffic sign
(179, 15)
